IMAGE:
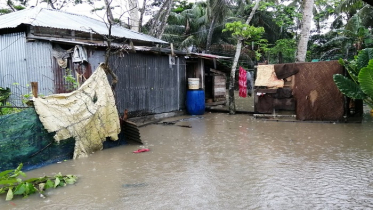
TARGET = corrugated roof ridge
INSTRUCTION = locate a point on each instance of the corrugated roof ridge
(70, 13)
(31, 19)
(26, 18)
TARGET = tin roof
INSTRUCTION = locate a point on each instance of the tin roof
(63, 20)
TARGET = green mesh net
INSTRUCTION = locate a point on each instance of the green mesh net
(23, 139)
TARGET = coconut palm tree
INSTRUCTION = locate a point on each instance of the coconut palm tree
(217, 11)
(187, 28)
(353, 38)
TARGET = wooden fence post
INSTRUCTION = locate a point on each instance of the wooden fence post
(34, 88)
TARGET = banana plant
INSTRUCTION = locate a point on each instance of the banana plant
(359, 84)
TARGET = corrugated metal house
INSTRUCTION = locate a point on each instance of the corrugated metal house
(44, 46)
(212, 76)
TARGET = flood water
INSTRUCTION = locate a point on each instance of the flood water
(222, 162)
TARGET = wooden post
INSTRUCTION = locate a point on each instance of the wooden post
(34, 88)
(172, 50)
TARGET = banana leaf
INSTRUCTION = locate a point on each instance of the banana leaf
(366, 79)
(363, 58)
(348, 87)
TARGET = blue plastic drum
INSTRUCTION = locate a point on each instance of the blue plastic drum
(195, 102)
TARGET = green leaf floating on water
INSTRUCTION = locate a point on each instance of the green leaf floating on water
(56, 182)
(49, 184)
(12, 184)
(20, 189)
(9, 195)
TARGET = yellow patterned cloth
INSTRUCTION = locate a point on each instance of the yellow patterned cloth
(266, 76)
(88, 114)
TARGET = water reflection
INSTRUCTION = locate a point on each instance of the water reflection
(223, 162)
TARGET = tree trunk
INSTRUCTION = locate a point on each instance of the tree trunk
(155, 23)
(162, 26)
(280, 58)
(11, 5)
(164, 23)
(142, 11)
(209, 35)
(305, 30)
(232, 105)
(108, 70)
(109, 14)
(134, 14)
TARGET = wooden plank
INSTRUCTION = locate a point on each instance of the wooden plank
(216, 103)
(219, 91)
(34, 88)
(217, 72)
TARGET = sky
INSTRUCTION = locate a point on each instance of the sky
(120, 7)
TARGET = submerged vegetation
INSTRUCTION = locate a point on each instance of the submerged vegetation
(11, 184)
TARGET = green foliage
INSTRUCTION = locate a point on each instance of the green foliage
(364, 57)
(366, 79)
(4, 94)
(7, 110)
(353, 67)
(243, 31)
(181, 5)
(97, 9)
(360, 86)
(285, 15)
(19, 7)
(348, 87)
(284, 50)
(71, 81)
(12, 184)
(5, 11)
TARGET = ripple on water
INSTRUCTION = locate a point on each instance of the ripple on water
(217, 164)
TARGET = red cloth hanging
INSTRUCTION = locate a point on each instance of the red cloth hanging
(242, 83)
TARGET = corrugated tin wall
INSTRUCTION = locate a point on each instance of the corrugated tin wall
(39, 65)
(13, 72)
(23, 62)
(148, 84)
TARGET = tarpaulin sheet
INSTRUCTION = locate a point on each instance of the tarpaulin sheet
(88, 114)
(266, 76)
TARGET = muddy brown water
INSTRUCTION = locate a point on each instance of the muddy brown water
(222, 162)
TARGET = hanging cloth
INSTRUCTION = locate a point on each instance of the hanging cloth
(61, 55)
(80, 54)
(249, 83)
(242, 82)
